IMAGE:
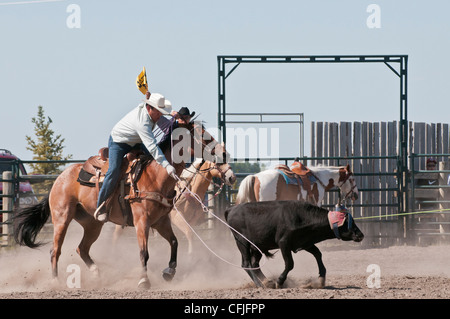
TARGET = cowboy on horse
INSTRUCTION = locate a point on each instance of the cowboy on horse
(131, 132)
(144, 200)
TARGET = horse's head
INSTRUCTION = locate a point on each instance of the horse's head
(190, 140)
(200, 143)
(347, 183)
(220, 170)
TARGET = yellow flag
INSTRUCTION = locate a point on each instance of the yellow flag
(141, 82)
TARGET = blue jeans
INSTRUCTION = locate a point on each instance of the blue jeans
(116, 153)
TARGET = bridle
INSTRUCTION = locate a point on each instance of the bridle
(350, 193)
(348, 175)
(201, 172)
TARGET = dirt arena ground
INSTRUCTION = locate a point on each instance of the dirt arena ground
(405, 272)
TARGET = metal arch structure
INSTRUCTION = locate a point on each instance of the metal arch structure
(388, 60)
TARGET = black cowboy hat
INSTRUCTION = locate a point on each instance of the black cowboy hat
(184, 111)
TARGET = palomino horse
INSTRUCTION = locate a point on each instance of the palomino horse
(271, 185)
(197, 179)
(150, 202)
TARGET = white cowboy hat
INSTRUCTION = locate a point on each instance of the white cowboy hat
(168, 105)
(158, 101)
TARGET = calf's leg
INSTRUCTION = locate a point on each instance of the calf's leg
(322, 271)
(244, 248)
(288, 262)
(257, 270)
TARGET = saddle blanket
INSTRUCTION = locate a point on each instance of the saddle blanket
(88, 179)
(294, 181)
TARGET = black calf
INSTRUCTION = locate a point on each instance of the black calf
(290, 226)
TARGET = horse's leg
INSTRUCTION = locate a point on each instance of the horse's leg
(118, 232)
(61, 218)
(142, 232)
(92, 229)
(164, 227)
(59, 232)
(322, 271)
(183, 227)
(189, 238)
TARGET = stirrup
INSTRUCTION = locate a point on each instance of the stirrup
(101, 214)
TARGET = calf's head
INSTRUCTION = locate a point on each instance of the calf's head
(344, 226)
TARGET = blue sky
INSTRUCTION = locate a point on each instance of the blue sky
(85, 77)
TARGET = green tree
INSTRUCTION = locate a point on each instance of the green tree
(46, 147)
(245, 167)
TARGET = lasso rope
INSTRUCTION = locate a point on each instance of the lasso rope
(404, 214)
(206, 210)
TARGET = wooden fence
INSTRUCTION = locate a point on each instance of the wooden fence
(373, 149)
(428, 139)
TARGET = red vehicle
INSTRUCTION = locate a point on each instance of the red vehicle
(24, 192)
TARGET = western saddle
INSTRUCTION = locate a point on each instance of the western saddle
(303, 176)
(93, 173)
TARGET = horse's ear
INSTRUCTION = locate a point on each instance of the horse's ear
(348, 168)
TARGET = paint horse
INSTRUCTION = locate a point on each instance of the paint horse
(300, 183)
(150, 202)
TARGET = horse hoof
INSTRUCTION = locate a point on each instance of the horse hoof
(94, 271)
(315, 284)
(267, 283)
(321, 283)
(168, 273)
(144, 283)
(55, 283)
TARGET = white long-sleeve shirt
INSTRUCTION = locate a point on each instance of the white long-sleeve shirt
(136, 127)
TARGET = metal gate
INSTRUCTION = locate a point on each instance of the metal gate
(430, 198)
(378, 195)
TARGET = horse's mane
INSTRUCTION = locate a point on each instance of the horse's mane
(163, 145)
(192, 169)
(166, 142)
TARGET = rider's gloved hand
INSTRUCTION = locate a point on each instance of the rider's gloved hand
(171, 171)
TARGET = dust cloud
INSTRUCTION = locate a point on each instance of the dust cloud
(423, 272)
(26, 269)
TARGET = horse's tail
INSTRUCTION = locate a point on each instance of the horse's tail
(246, 191)
(226, 214)
(29, 221)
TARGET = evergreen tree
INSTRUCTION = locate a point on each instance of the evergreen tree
(46, 147)
(246, 167)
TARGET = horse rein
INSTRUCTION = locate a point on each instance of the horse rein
(353, 185)
(199, 171)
